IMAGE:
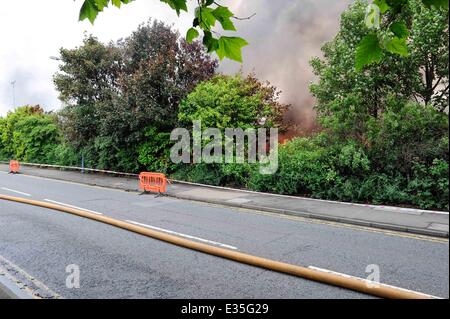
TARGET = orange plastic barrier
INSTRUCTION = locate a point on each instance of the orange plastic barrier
(14, 167)
(153, 182)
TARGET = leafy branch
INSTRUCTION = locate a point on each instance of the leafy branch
(389, 30)
(207, 14)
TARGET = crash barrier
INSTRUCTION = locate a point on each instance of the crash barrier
(153, 182)
(14, 167)
(355, 284)
(75, 168)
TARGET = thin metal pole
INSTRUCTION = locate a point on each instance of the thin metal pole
(13, 83)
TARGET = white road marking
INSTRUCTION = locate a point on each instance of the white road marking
(71, 206)
(371, 282)
(14, 191)
(183, 235)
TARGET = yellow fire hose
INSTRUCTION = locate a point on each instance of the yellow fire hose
(307, 273)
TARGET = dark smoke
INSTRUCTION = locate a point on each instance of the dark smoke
(284, 35)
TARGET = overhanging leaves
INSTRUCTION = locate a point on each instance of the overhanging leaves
(369, 51)
(231, 47)
(383, 5)
(205, 19)
(397, 45)
(223, 15)
(191, 35)
(89, 11)
(400, 29)
(177, 5)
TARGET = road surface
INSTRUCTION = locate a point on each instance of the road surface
(37, 245)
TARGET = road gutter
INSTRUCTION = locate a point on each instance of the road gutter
(357, 222)
(10, 290)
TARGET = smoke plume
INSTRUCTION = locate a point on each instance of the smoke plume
(284, 35)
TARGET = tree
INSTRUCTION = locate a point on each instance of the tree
(207, 14)
(28, 134)
(384, 17)
(114, 93)
(429, 50)
(88, 75)
(347, 100)
(233, 102)
(160, 71)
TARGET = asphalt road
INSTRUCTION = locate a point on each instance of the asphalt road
(3, 295)
(37, 245)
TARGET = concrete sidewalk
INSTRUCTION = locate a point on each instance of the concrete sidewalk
(384, 217)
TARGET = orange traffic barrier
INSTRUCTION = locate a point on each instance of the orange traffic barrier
(153, 182)
(14, 167)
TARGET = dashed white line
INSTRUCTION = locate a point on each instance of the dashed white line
(369, 282)
(71, 206)
(183, 235)
(14, 191)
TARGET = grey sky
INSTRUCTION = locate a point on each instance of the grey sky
(284, 35)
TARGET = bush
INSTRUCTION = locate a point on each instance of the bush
(64, 155)
(28, 134)
(199, 173)
(429, 187)
(154, 154)
(107, 153)
(407, 133)
(233, 102)
(303, 169)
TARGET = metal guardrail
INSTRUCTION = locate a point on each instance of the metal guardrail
(74, 168)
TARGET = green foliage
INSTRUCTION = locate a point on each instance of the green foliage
(63, 154)
(209, 174)
(348, 100)
(393, 34)
(233, 102)
(154, 153)
(378, 146)
(429, 51)
(370, 114)
(407, 133)
(322, 167)
(114, 93)
(28, 134)
(369, 51)
(91, 8)
(370, 151)
(429, 187)
(302, 171)
(231, 47)
(207, 14)
(229, 102)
